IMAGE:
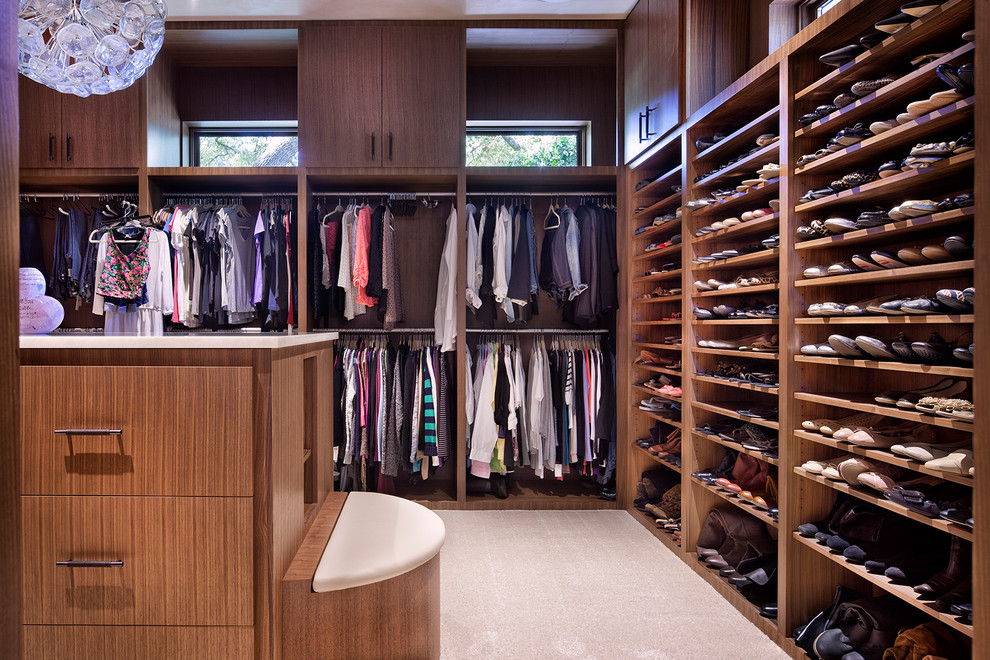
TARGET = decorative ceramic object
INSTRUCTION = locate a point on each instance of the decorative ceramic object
(33, 283)
(39, 313)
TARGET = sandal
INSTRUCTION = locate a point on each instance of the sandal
(955, 408)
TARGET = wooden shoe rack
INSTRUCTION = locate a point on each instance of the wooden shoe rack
(770, 99)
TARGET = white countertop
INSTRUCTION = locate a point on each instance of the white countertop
(205, 340)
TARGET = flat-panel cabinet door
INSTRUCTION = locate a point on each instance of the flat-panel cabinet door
(103, 131)
(340, 96)
(665, 69)
(40, 121)
(422, 79)
(637, 78)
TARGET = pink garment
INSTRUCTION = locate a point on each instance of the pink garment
(360, 266)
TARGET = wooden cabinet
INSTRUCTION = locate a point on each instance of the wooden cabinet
(63, 130)
(653, 71)
(381, 96)
(164, 493)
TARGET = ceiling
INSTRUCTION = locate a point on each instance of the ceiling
(395, 9)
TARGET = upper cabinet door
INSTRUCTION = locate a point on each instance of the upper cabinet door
(340, 96)
(41, 125)
(422, 87)
(637, 77)
(103, 131)
(665, 69)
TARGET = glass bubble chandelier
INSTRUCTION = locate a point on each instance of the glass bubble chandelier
(85, 47)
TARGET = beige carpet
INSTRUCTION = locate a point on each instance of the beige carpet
(517, 585)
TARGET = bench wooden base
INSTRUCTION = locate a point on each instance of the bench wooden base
(393, 619)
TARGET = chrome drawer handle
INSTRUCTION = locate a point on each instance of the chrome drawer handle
(90, 564)
(87, 432)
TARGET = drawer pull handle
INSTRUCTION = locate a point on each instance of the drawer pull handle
(88, 432)
(90, 564)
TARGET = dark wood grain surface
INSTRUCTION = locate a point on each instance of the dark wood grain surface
(422, 92)
(340, 99)
(10, 480)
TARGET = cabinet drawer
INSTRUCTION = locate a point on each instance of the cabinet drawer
(183, 561)
(182, 430)
(148, 643)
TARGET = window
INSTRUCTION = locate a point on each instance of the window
(249, 144)
(527, 144)
(825, 6)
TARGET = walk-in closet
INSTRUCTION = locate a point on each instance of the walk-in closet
(487, 309)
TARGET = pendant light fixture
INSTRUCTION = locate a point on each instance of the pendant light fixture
(85, 47)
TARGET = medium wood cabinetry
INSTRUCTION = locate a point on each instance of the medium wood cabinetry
(66, 131)
(163, 495)
(381, 96)
(653, 70)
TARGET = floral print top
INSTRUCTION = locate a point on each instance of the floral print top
(124, 276)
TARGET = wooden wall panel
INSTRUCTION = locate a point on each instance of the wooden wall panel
(10, 481)
(164, 124)
(237, 93)
(717, 36)
(146, 642)
(186, 561)
(546, 93)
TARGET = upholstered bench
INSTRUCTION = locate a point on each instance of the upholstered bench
(365, 582)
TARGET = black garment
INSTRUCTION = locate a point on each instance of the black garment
(375, 246)
(338, 410)
(519, 277)
(319, 296)
(337, 294)
(32, 250)
(608, 262)
(582, 310)
(87, 278)
(486, 313)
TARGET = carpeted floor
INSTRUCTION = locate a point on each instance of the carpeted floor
(579, 584)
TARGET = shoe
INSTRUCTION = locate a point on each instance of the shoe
(876, 348)
(957, 570)
(894, 24)
(842, 55)
(919, 8)
(864, 87)
(846, 347)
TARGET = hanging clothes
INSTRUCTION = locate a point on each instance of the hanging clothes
(354, 265)
(445, 312)
(576, 265)
(394, 403)
(230, 267)
(133, 282)
(557, 416)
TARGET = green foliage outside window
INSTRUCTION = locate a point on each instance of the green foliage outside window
(248, 150)
(521, 150)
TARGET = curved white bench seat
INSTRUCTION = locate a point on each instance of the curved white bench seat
(365, 582)
(377, 537)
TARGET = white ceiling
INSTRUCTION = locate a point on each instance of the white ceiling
(394, 9)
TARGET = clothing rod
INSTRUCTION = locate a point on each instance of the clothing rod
(378, 331)
(505, 193)
(383, 194)
(533, 331)
(227, 194)
(73, 195)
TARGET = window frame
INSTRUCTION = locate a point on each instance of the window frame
(193, 130)
(580, 129)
